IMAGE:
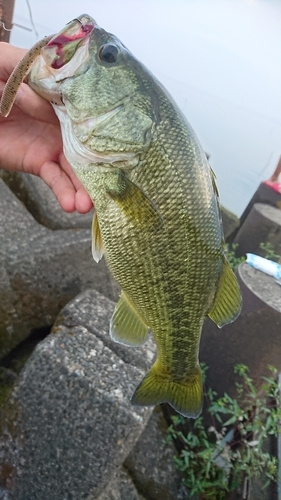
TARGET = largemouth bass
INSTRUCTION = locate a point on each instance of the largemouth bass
(157, 218)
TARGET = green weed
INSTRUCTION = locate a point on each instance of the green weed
(216, 458)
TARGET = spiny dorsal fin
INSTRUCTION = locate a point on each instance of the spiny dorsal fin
(228, 300)
(126, 326)
(97, 245)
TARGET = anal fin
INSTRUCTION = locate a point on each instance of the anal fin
(228, 300)
(126, 326)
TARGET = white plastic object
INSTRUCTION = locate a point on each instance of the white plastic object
(264, 265)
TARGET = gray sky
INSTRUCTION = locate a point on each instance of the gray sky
(221, 61)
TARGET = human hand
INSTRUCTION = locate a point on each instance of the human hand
(30, 140)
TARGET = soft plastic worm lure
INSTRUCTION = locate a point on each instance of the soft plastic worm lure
(18, 76)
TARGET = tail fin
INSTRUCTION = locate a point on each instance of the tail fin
(185, 396)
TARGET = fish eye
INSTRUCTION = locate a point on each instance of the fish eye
(108, 53)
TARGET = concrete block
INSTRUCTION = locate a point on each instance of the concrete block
(40, 201)
(264, 194)
(120, 488)
(151, 463)
(262, 225)
(40, 271)
(69, 423)
(253, 339)
(94, 312)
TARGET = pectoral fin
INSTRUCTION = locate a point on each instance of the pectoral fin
(97, 245)
(136, 205)
(228, 300)
(126, 326)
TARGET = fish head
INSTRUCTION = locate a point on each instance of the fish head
(101, 94)
(64, 55)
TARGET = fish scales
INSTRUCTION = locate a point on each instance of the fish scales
(158, 277)
(157, 216)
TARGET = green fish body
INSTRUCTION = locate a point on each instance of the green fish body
(157, 217)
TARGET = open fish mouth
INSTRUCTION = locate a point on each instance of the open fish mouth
(62, 57)
(62, 47)
(67, 46)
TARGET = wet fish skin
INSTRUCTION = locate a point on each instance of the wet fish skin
(157, 216)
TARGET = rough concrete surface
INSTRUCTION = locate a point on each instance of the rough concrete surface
(260, 286)
(264, 194)
(151, 463)
(120, 488)
(94, 311)
(40, 271)
(41, 202)
(262, 225)
(69, 423)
